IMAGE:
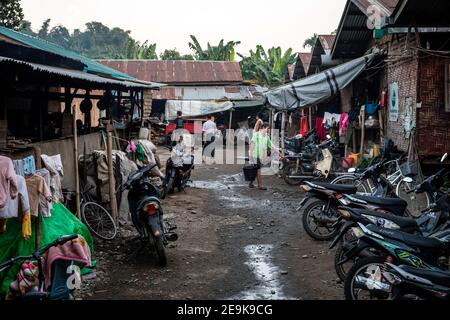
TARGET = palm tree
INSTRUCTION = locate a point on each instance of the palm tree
(311, 41)
(221, 52)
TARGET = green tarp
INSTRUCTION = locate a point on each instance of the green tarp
(12, 244)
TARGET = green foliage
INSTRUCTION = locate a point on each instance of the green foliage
(173, 54)
(221, 52)
(11, 14)
(311, 41)
(267, 68)
(145, 51)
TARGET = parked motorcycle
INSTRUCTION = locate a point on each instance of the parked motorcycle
(407, 283)
(178, 172)
(430, 223)
(320, 163)
(147, 212)
(382, 245)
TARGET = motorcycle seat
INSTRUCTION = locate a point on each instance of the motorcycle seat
(406, 224)
(406, 238)
(338, 187)
(395, 205)
(307, 156)
(436, 276)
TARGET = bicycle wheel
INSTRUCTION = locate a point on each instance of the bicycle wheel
(416, 202)
(99, 221)
(350, 180)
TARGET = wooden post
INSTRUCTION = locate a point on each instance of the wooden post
(310, 119)
(355, 149)
(283, 132)
(77, 175)
(112, 185)
(272, 125)
(363, 129)
(37, 225)
(230, 127)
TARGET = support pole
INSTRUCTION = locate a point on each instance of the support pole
(112, 185)
(363, 129)
(77, 174)
(230, 126)
(272, 125)
(37, 225)
(283, 132)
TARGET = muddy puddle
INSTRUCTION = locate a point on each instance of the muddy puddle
(260, 263)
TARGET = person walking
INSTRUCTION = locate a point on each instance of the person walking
(179, 125)
(209, 132)
(259, 148)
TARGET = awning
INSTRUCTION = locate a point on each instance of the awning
(317, 88)
(195, 108)
(80, 75)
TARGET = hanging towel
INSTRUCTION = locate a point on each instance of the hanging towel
(37, 190)
(18, 205)
(320, 129)
(343, 124)
(29, 165)
(304, 126)
(8, 181)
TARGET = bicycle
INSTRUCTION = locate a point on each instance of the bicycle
(95, 217)
(37, 256)
(397, 178)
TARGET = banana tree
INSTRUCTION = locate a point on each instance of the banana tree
(221, 52)
(266, 68)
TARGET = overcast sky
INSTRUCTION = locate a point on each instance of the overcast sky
(285, 23)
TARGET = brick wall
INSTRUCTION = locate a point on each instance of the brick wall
(402, 67)
(433, 122)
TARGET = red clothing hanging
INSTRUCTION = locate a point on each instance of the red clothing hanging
(304, 126)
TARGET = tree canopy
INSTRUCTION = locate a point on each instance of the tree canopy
(11, 14)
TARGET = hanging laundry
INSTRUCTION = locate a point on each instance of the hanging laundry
(18, 205)
(343, 124)
(45, 205)
(54, 166)
(320, 129)
(19, 167)
(331, 119)
(8, 181)
(29, 165)
(37, 188)
(304, 126)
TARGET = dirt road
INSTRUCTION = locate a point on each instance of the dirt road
(235, 243)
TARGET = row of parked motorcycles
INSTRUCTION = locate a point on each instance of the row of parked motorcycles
(384, 251)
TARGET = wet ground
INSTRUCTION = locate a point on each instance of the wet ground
(235, 243)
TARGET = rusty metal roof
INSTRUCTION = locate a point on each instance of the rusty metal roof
(180, 72)
(327, 41)
(302, 65)
(353, 34)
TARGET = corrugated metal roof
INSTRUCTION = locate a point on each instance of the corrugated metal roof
(290, 73)
(327, 41)
(79, 75)
(387, 7)
(37, 43)
(180, 72)
(302, 65)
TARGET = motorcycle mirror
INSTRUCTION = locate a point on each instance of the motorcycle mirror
(352, 170)
(408, 180)
(444, 157)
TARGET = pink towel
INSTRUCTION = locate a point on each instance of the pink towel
(76, 250)
(343, 124)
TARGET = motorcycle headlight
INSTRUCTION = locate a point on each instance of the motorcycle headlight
(358, 233)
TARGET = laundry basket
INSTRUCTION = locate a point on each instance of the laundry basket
(250, 173)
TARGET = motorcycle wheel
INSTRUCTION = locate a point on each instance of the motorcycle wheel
(161, 252)
(315, 231)
(291, 170)
(342, 269)
(368, 268)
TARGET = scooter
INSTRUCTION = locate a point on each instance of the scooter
(319, 164)
(147, 212)
(178, 175)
